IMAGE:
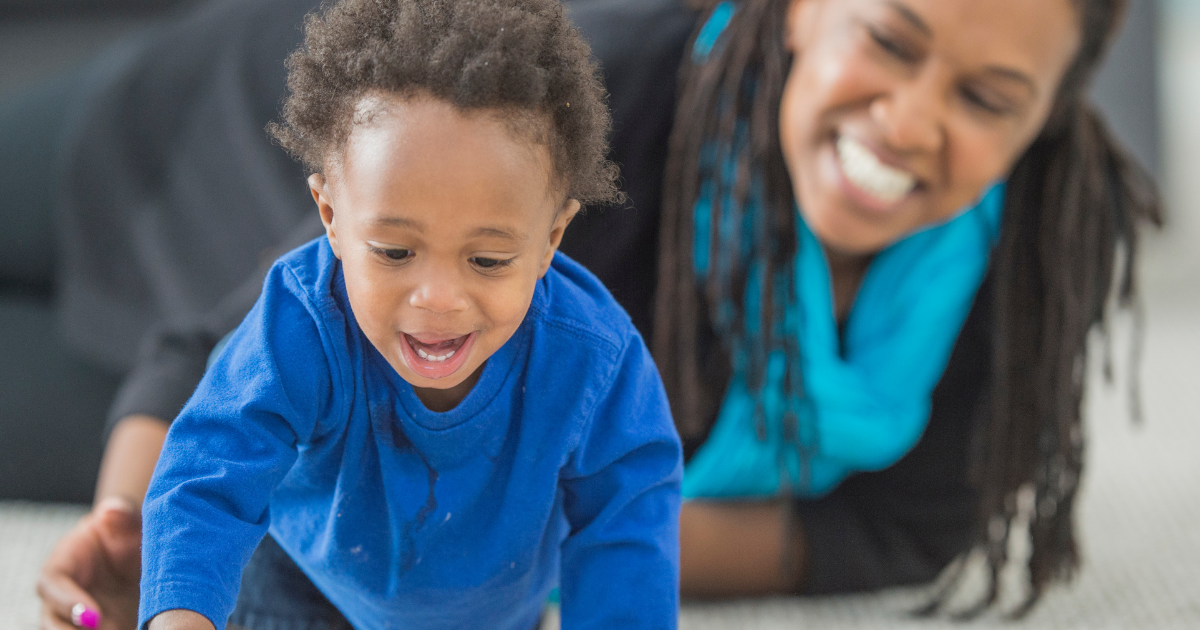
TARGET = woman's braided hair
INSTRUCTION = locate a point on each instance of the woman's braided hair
(521, 58)
(1073, 203)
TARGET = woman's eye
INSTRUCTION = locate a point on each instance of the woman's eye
(892, 46)
(985, 102)
(392, 254)
(490, 264)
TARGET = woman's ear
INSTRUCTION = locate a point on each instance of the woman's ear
(565, 214)
(319, 187)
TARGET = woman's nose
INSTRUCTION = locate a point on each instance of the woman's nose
(912, 114)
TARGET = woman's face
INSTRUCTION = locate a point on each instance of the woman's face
(898, 113)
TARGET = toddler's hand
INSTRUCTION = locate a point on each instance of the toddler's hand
(97, 564)
(180, 620)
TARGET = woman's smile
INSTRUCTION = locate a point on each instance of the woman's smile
(867, 179)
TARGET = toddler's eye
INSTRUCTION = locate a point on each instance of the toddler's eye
(391, 254)
(490, 264)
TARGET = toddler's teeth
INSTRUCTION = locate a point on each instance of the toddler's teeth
(432, 358)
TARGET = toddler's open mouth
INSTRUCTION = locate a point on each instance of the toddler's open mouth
(436, 356)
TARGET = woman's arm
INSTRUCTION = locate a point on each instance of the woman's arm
(129, 458)
(739, 548)
(98, 563)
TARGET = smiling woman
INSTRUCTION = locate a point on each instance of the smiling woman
(888, 227)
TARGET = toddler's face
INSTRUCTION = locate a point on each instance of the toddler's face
(897, 113)
(444, 222)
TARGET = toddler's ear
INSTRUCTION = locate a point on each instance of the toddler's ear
(568, 211)
(319, 187)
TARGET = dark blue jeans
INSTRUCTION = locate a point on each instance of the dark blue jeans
(277, 595)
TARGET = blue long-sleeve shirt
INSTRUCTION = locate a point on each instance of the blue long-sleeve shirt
(560, 467)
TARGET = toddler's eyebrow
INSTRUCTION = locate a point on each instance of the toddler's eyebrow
(501, 233)
(399, 222)
(418, 226)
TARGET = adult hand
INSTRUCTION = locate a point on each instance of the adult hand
(97, 564)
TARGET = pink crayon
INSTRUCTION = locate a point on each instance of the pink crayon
(85, 617)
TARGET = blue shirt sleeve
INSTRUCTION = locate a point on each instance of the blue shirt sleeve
(620, 563)
(233, 443)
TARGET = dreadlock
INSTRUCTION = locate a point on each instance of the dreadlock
(1073, 203)
(737, 93)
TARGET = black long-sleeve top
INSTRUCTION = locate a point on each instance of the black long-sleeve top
(171, 164)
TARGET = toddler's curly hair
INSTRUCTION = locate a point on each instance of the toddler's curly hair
(521, 58)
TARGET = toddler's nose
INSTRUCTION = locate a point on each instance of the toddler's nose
(439, 294)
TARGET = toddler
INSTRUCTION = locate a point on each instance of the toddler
(432, 413)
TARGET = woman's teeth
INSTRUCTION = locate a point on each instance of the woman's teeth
(865, 171)
(429, 357)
